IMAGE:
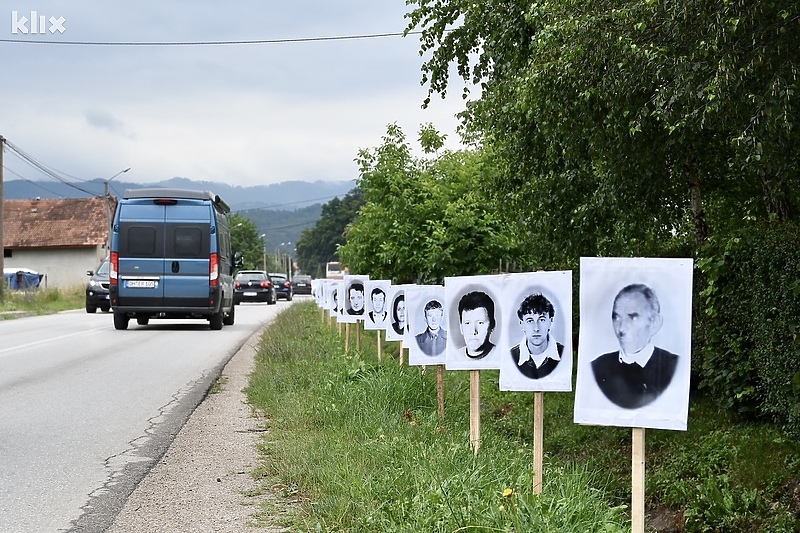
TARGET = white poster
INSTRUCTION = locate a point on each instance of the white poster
(398, 326)
(377, 305)
(634, 348)
(475, 322)
(536, 343)
(425, 313)
(353, 299)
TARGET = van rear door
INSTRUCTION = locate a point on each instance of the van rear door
(164, 254)
(188, 226)
(141, 254)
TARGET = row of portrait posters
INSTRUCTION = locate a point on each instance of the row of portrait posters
(634, 344)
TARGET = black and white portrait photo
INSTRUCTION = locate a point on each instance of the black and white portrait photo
(634, 350)
(425, 311)
(539, 333)
(474, 319)
(396, 307)
(377, 306)
(353, 298)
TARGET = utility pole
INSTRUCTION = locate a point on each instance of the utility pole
(2, 217)
(107, 197)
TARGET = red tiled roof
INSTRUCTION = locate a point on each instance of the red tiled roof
(51, 223)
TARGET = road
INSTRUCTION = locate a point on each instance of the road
(86, 410)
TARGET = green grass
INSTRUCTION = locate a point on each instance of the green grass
(358, 445)
(41, 301)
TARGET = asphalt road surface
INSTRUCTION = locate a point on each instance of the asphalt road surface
(86, 410)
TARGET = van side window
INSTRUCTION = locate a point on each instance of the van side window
(188, 242)
(141, 241)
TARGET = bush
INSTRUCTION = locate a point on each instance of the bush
(748, 313)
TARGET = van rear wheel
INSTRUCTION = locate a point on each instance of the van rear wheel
(121, 321)
(230, 317)
(215, 322)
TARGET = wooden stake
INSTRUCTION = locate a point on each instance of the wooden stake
(440, 389)
(347, 338)
(358, 335)
(380, 346)
(475, 410)
(637, 473)
(538, 440)
(402, 354)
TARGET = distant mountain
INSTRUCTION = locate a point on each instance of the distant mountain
(287, 195)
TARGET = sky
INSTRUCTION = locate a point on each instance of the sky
(239, 114)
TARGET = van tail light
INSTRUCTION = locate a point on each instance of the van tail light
(287, 285)
(236, 284)
(113, 269)
(213, 270)
(265, 284)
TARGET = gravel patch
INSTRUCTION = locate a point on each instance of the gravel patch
(200, 483)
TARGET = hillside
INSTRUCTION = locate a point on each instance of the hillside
(287, 195)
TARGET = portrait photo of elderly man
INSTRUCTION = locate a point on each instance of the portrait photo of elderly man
(639, 372)
(635, 342)
(433, 340)
(537, 353)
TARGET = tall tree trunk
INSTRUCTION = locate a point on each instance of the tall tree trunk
(776, 198)
(696, 197)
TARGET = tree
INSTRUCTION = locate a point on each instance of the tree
(648, 122)
(319, 245)
(245, 239)
(425, 218)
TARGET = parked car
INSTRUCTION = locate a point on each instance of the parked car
(97, 289)
(301, 284)
(253, 286)
(282, 285)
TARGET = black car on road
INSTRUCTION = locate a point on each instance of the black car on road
(97, 289)
(253, 286)
(301, 284)
(283, 286)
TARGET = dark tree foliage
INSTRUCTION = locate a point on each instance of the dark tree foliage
(319, 245)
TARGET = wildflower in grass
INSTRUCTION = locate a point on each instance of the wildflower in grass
(501, 508)
(507, 492)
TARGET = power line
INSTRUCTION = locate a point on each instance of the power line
(53, 173)
(213, 43)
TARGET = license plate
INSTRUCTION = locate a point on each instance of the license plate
(249, 294)
(301, 284)
(141, 284)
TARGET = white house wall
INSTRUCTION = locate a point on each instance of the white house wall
(63, 268)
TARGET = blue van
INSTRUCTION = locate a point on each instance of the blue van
(171, 258)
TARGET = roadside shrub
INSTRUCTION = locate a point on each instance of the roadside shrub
(748, 312)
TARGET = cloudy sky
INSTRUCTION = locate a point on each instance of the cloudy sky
(239, 114)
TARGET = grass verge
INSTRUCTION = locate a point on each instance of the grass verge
(41, 301)
(358, 445)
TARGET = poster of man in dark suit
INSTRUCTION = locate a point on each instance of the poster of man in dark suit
(634, 350)
(639, 371)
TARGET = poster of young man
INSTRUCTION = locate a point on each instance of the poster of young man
(377, 310)
(634, 349)
(536, 348)
(398, 325)
(352, 300)
(475, 321)
(332, 297)
(427, 339)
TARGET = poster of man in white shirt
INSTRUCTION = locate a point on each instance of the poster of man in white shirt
(537, 352)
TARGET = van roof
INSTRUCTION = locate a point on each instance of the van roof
(163, 192)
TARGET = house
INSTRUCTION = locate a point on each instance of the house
(60, 238)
